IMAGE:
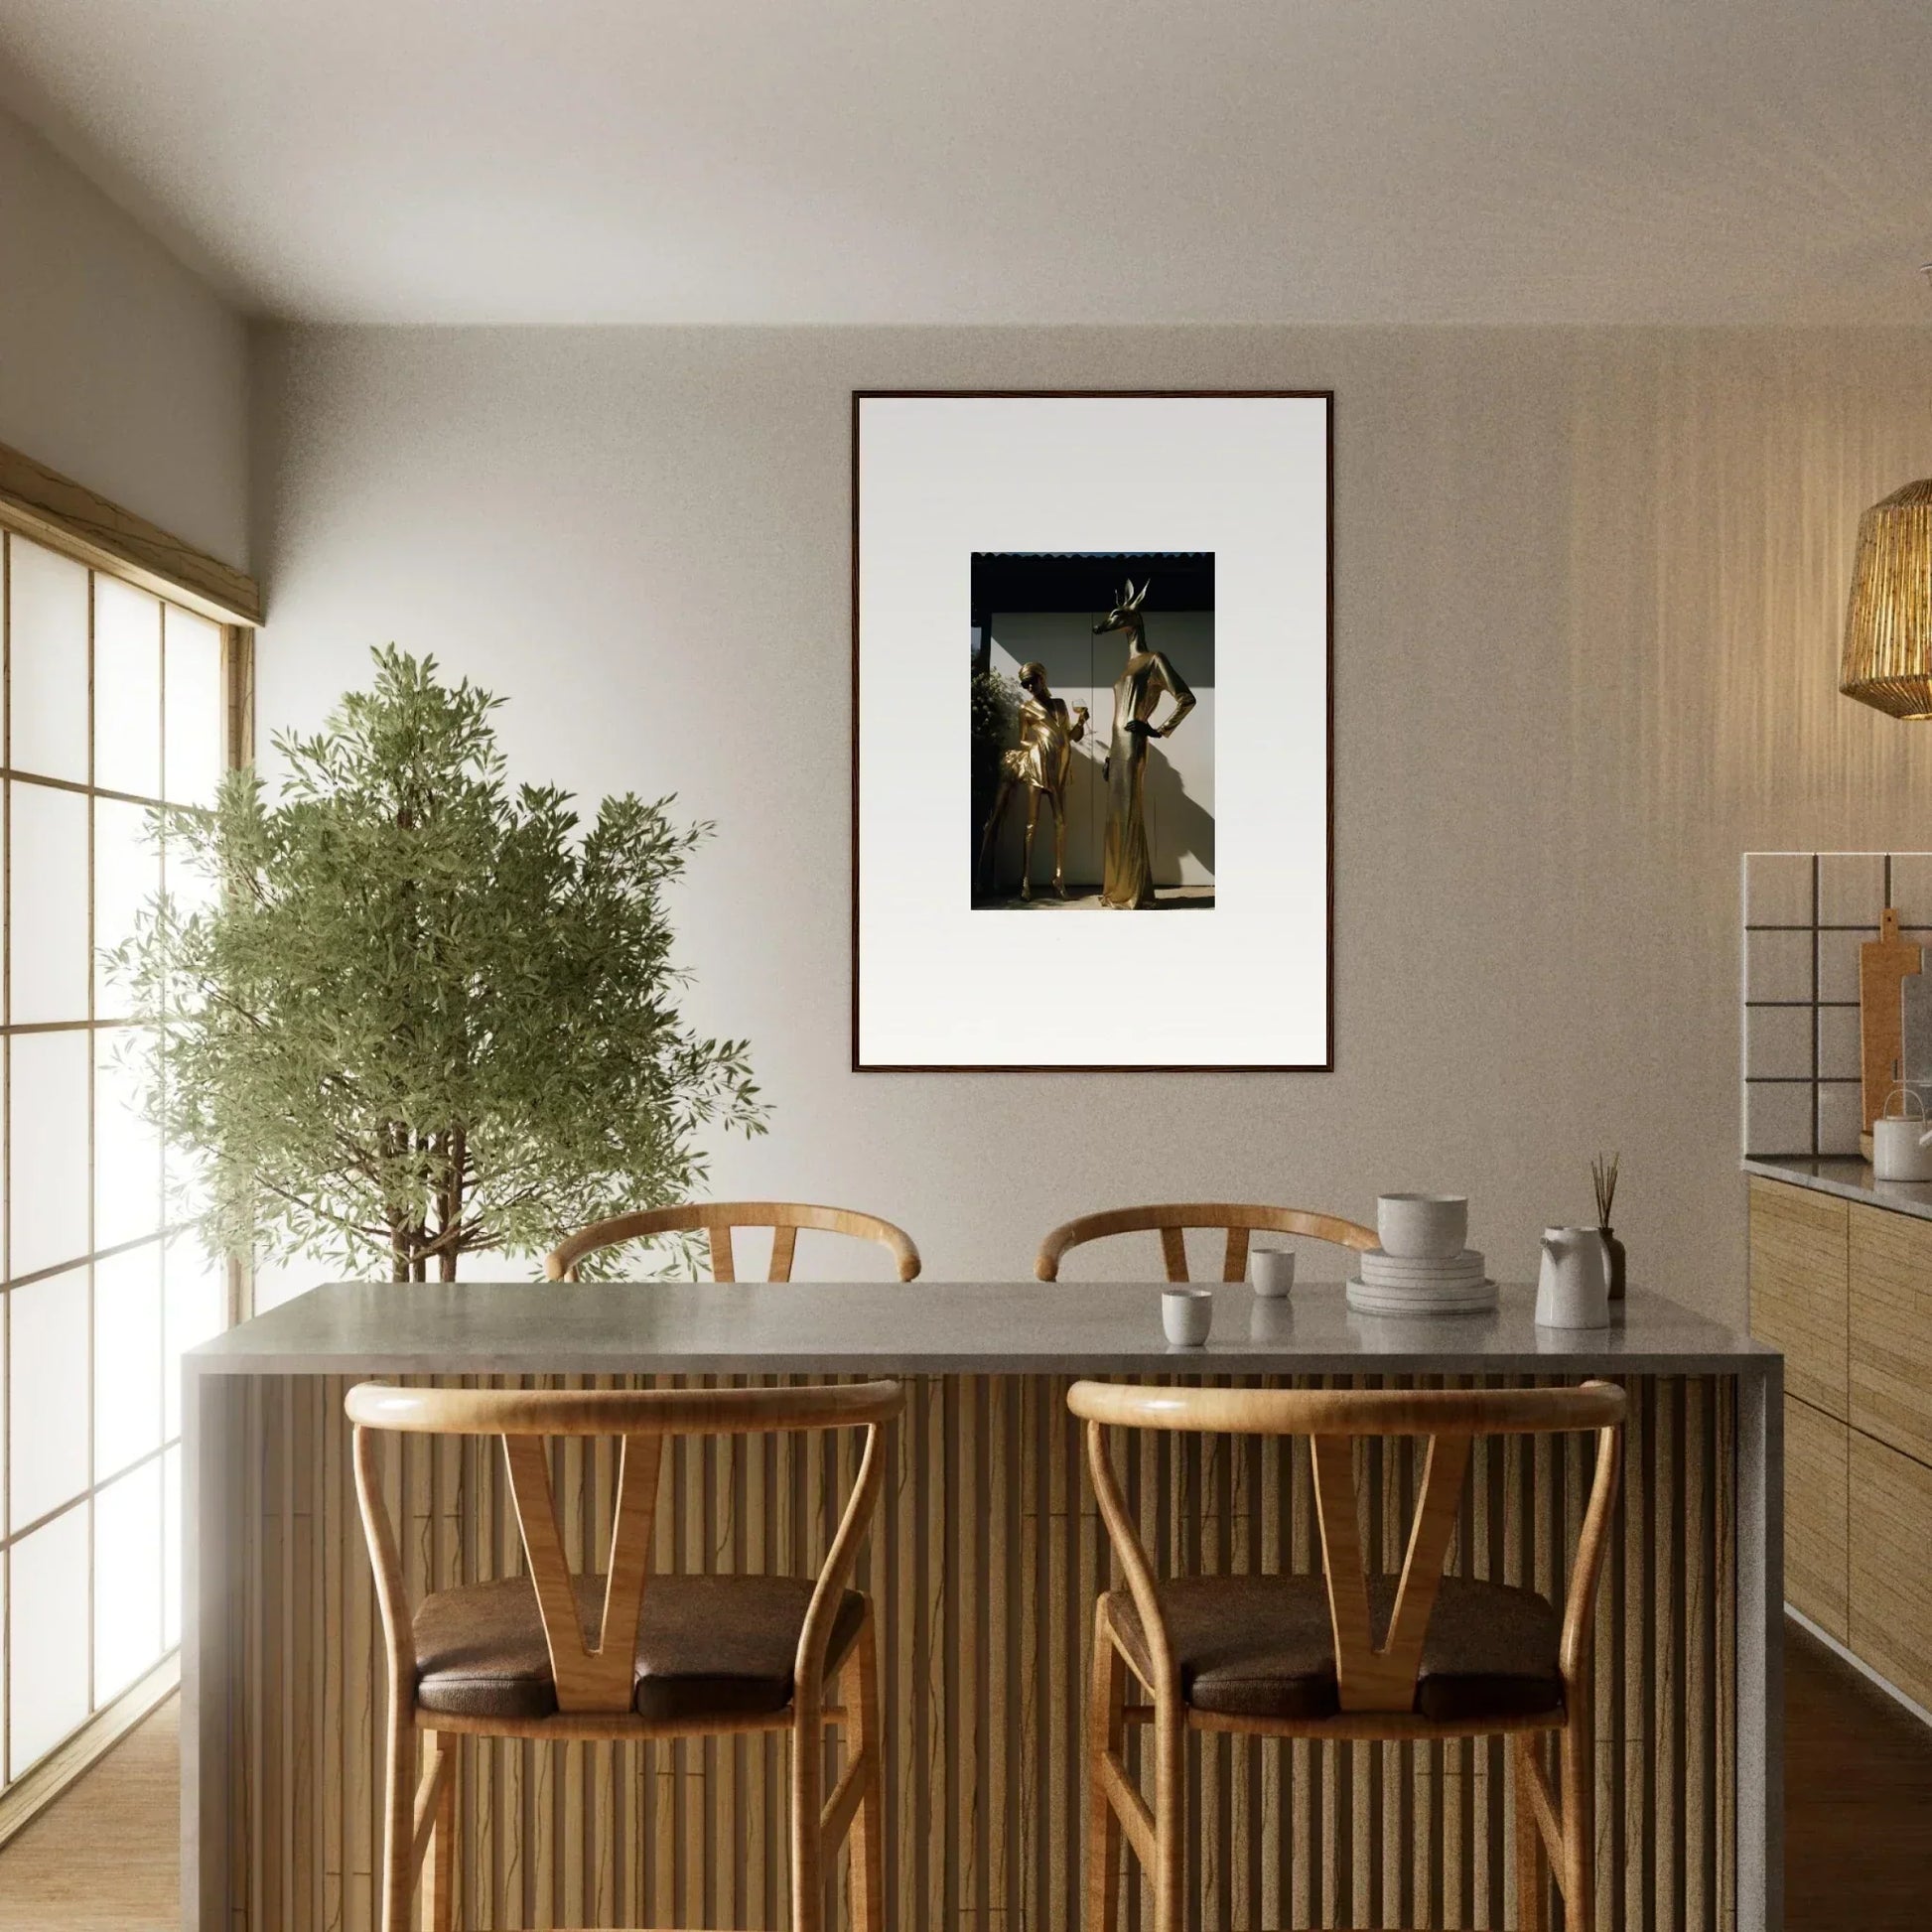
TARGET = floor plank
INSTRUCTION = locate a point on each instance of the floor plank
(1858, 1819)
(1857, 1814)
(105, 1856)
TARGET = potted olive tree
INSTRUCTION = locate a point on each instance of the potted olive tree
(413, 1014)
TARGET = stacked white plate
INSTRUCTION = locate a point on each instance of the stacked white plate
(1402, 1285)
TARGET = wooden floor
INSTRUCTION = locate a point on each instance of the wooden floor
(1858, 1820)
(105, 1856)
(1857, 1814)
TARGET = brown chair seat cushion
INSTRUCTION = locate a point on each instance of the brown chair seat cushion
(1263, 1647)
(707, 1646)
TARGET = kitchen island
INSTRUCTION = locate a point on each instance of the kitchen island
(985, 1556)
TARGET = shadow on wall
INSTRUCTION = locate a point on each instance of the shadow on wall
(1178, 827)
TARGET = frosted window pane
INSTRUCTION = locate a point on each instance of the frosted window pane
(191, 888)
(46, 1678)
(127, 1359)
(171, 1548)
(195, 712)
(47, 1095)
(46, 1451)
(127, 688)
(185, 1187)
(127, 1151)
(49, 671)
(197, 1297)
(276, 1281)
(127, 1580)
(128, 878)
(49, 832)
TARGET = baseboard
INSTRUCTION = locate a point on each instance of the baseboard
(1860, 1665)
(29, 1796)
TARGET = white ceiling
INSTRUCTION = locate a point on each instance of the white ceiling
(1003, 161)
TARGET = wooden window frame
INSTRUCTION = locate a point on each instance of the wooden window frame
(45, 508)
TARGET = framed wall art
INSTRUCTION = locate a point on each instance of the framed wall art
(1092, 654)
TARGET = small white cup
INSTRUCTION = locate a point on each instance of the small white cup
(1272, 1270)
(1423, 1227)
(1187, 1313)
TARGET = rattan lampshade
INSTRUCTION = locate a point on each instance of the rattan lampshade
(1887, 658)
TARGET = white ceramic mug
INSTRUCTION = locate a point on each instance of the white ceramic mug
(1423, 1227)
(1573, 1289)
(1272, 1270)
(1187, 1313)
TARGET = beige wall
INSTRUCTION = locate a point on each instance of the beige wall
(118, 368)
(1588, 587)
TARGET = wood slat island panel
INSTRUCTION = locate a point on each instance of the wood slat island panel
(985, 1570)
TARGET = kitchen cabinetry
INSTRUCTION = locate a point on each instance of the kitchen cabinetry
(1891, 1566)
(1892, 1329)
(1845, 1288)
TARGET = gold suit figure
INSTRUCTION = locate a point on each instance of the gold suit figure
(1040, 764)
(1128, 881)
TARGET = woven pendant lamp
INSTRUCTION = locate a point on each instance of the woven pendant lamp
(1887, 659)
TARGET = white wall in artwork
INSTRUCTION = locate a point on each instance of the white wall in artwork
(1588, 587)
(1081, 668)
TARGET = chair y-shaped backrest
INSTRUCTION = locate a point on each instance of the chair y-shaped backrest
(596, 1677)
(1173, 1219)
(1371, 1675)
(717, 1218)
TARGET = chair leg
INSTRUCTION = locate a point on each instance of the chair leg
(439, 1869)
(1106, 1733)
(1170, 1812)
(398, 1818)
(1577, 1750)
(808, 1799)
(1531, 1884)
(860, 1692)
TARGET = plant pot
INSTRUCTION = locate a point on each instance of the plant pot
(1615, 1248)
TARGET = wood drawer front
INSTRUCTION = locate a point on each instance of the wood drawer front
(1799, 1288)
(1817, 1482)
(1892, 1329)
(1891, 1566)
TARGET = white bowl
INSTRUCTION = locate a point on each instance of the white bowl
(1423, 1226)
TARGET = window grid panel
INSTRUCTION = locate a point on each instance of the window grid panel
(193, 1298)
(6, 1165)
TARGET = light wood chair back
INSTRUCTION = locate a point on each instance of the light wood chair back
(594, 1676)
(1171, 1219)
(1378, 1683)
(717, 1218)
(1370, 1676)
(597, 1677)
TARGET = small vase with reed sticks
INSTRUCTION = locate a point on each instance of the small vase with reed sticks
(1603, 1174)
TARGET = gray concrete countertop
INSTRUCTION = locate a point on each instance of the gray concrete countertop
(930, 1329)
(1848, 1177)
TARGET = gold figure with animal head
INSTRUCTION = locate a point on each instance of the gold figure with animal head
(1039, 766)
(1128, 875)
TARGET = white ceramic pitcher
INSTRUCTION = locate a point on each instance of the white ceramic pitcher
(1573, 1289)
(1901, 1143)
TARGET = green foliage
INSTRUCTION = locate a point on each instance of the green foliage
(995, 718)
(423, 1014)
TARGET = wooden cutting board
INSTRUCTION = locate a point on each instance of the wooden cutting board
(1885, 963)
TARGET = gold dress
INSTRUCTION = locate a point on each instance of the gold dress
(1128, 875)
(1043, 757)
(1039, 766)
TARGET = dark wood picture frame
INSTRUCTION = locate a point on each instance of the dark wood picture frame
(1327, 1063)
